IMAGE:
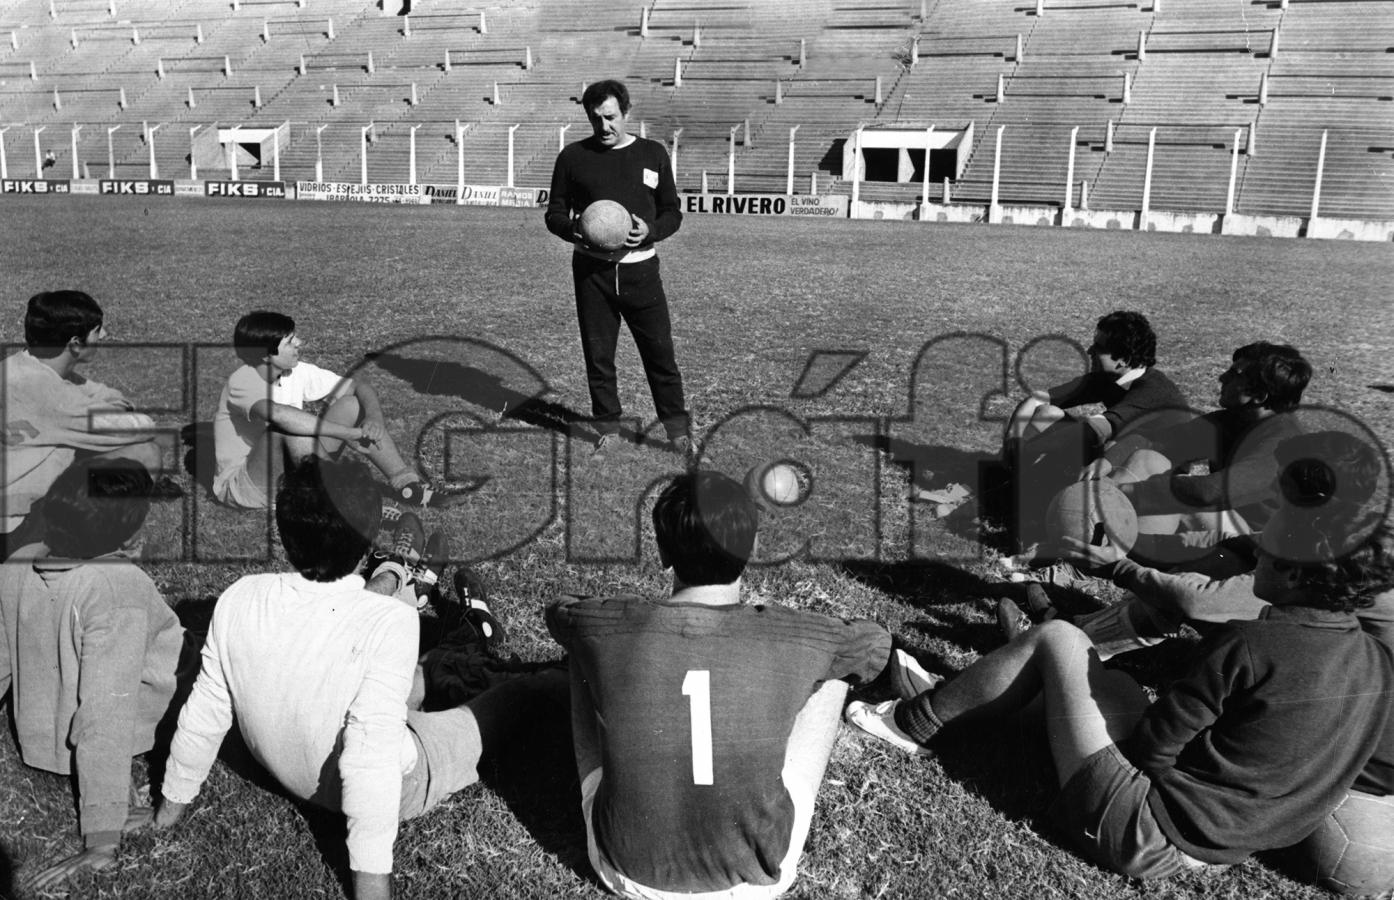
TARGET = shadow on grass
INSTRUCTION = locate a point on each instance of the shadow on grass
(936, 466)
(481, 388)
(7, 873)
(536, 779)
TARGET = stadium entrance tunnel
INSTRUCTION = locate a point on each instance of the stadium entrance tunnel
(219, 148)
(900, 153)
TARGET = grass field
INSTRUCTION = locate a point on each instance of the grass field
(463, 318)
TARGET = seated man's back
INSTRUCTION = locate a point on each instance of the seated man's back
(695, 706)
(299, 659)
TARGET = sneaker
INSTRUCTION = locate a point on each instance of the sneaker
(606, 445)
(409, 538)
(908, 677)
(878, 720)
(1011, 619)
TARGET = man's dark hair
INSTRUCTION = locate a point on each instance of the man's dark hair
(259, 334)
(705, 525)
(53, 318)
(1277, 372)
(596, 94)
(327, 512)
(1332, 527)
(95, 506)
(1128, 336)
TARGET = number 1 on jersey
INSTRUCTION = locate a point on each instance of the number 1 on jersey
(697, 685)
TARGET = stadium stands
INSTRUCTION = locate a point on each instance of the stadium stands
(736, 78)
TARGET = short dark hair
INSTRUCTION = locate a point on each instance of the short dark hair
(1277, 371)
(705, 525)
(259, 334)
(1128, 336)
(596, 94)
(55, 317)
(327, 512)
(95, 506)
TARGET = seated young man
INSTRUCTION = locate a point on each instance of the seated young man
(53, 415)
(90, 651)
(1235, 446)
(702, 724)
(316, 671)
(261, 418)
(1249, 751)
(1046, 445)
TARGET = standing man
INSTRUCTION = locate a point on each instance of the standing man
(613, 164)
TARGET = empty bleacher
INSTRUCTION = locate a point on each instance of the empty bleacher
(702, 72)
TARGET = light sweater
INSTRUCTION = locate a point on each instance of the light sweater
(47, 419)
(317, 675)
(90, 648)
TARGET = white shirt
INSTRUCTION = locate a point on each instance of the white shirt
(235, 428)
(317, 675)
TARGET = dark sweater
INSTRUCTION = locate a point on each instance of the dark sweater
(638, 176)
(1151, 393)
(1261, 740)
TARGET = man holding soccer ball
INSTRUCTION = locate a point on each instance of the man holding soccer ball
(623, 282)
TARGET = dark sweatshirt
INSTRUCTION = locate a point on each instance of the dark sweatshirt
(638, 176)
(1260, 742)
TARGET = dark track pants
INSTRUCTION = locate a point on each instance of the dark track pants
(606, 293)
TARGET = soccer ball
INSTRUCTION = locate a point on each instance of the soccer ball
(605, 225)
(1352, 851)
(1090, 511)
(781, 483)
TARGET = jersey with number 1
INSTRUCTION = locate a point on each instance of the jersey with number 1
(694, 707)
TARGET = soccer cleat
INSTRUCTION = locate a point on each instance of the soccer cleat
(908, 677)
(878, 720)
(606, 445)
(474, 597)
(425, 495)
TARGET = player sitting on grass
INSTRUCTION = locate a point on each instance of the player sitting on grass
(89, 650)
(261, 418)
(1326, 471)
(1182, 516)
(702, 724)
(316, 672)
(1248, 751)
(53, 415)
(1046, 445)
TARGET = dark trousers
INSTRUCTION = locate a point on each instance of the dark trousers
(607, 292)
